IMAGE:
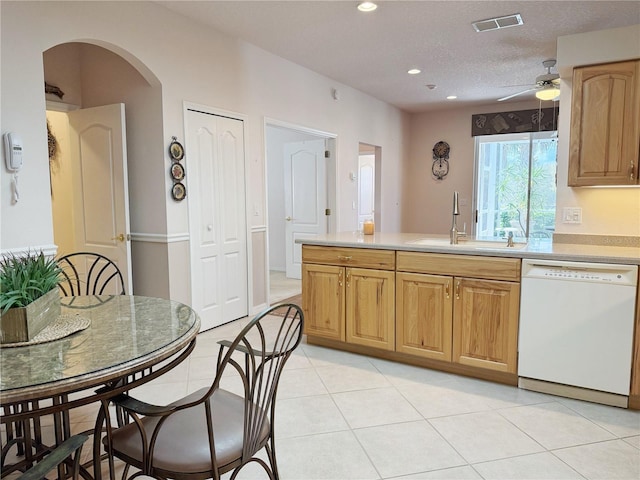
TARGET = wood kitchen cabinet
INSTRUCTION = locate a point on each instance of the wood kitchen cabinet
(424, 312)
(323, 300)
(605, 125)
(469, 317)
(349, 295)
(485, 324)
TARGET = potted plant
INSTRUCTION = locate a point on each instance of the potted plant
(29, 298)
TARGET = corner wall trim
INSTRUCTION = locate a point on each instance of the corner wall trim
(48, 250)
(160, 237)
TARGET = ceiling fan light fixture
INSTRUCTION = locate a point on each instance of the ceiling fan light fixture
(367, 6)
(548, 93)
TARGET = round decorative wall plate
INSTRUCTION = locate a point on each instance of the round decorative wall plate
(176, 150)
(441, 150)
(440, 166)
(178, 192)
(177, 171)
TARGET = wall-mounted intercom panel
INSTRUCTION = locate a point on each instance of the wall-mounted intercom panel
(13, 151)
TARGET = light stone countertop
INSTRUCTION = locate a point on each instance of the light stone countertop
(535, 249)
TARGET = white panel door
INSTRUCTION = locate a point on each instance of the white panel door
(215, 172)
(305, 197)
(101, 198)
(366, 187)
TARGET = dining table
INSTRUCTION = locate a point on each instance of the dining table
(128, 340)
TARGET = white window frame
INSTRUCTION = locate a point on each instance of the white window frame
(478, 140)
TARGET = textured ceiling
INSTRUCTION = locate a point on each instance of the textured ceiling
(372, 52)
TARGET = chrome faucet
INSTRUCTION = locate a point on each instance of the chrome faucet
(455, 234)
(510, 239)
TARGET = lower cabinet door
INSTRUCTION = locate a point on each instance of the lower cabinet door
(370, 307)
(424, 305)
(485, 324)
(323, 300)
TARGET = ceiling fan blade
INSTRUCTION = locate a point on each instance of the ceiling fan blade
(516, 94)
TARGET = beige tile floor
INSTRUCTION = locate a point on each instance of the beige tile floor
(281, 287)
(346, 416)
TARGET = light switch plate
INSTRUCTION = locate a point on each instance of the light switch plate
(572, 215)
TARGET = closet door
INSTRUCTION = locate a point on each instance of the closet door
(217, 217)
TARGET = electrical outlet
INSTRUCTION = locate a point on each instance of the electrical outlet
(577, 215)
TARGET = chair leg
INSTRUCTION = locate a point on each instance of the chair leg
(271, 453)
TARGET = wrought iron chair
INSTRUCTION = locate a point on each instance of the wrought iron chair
(86, 273)
(67, 452)
(214, 431)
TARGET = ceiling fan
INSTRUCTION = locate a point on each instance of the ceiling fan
(546, 86)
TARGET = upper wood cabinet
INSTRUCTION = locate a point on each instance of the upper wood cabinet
(605, 125)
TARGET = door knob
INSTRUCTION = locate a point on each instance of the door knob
(288, 219)
(121, 237)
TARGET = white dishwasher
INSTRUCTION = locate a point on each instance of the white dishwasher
(576, 329)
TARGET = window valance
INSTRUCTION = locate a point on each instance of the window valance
(536, 120)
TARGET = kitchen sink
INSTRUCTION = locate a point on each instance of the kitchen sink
(467, 244)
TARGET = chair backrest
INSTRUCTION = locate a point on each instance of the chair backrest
(258, 356)
(86, 273)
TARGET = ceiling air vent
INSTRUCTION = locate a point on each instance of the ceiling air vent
(498, 22)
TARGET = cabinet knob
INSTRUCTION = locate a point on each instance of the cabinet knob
(288, 219)
(446, 289)
(344, 258)
(458, 290)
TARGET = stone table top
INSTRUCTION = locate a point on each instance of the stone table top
(126, 334)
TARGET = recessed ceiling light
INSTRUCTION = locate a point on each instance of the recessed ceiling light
(452, 97)
(414, 71)
(367, 6)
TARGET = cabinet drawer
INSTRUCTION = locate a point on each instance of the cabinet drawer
(497, 268)
(349, 257)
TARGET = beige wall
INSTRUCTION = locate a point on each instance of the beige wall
(187, 63)
(428, 202)
(606, 211)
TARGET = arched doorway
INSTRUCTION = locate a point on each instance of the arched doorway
(89, 76)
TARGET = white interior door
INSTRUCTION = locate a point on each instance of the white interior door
(366, 187)
(215, 161)
(305, 195)
(101, 200)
